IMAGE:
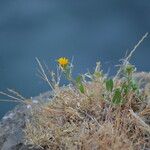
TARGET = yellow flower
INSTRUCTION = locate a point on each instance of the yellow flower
(63, 62)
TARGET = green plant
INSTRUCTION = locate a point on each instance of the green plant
(66, 68)
(119, 92)
(79, 84)
(109, 85)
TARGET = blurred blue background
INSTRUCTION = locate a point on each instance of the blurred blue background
(89, 30)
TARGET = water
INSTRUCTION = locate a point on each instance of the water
(87, 30)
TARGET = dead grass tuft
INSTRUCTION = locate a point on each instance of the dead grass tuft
(98, 113)
(77, 121)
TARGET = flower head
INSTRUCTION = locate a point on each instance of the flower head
(63, 62)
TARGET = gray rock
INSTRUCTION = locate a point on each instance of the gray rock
(13, 123)
(13, 140)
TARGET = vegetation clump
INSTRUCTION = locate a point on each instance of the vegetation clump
(93, 112)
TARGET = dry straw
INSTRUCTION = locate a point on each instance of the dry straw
(103, 113)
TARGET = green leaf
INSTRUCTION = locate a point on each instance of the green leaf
(79, 79)
(79, 84)
(134, 85)
(125, 88)
(109, 85)
(129, 69)
(81, 88)
(117, 98)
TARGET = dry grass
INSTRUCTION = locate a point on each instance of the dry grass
(87, 121)
(83, 115)
(107, 114)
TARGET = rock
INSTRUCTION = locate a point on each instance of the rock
(13, 123)
(13, 140)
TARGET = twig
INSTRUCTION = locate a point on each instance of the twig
(44, 74)
(9, 100)
(16, 93)
(126, 60)
(136, 46)
(15, 98)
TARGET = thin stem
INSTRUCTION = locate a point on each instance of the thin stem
(126, 60)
